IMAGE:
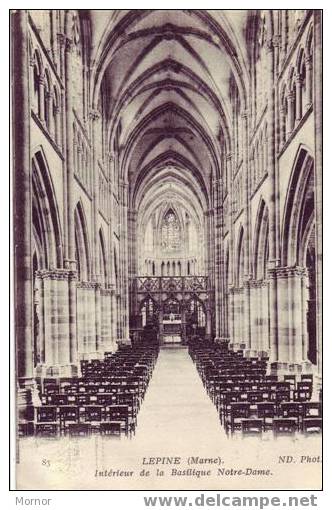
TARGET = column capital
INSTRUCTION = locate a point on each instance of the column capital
(55, 274)
(258, 284)
(287, 272)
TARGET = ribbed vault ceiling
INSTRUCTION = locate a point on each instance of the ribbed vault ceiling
(166, 79)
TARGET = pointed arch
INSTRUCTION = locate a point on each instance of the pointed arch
(299, 208)
(45, 214)
(299, 238)
(82, 244)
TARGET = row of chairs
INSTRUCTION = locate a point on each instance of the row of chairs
(251, 401)
(105, 400)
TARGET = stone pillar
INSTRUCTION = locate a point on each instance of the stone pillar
(290, 113)
(124, 261)
(298, 105)
(95, 117)
(273, 193)
(255, 314)
(308, 62)
(183, 325)
(57, 122)
(22, 215)
(246, 332)
(282, 126)
(292, 325)
(208, 323)
(231, 314)
(41, 96)
(161, 326)
(273, 312)
(113, 317)
(71, 262)
(318, 178)
(51, 124)
(218, 252)
(265, 320)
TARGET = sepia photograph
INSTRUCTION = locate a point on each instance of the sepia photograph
(166, 198)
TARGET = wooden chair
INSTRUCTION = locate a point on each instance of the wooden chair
(312, 426)
(307, 378)
(292, 410)
(291, 379)
(46, 421)
(252, 427)
(312, 410)
(266, 411)
(47, 414)
(57, 399)
(68, 415)
(118, 413)
(46, 429)
(284, 426)
(79, 429)
(93, 416)
(238, 412)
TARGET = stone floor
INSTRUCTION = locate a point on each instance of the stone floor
(177, 419)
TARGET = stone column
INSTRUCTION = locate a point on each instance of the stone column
(298, 105)
(51, 124)
(219, 290)
(308, 62)
(282, 126)
(54, 323)
(124, 259)
(318, 178)
(255, 314)
(231, 314)
(274, 258)
(183, 325)
(41, 95)
(265, 332)
(208, 323)
(290, 113)
(22, 208)
(57, 121)
(292, 326)
(71, 262)
(246, 332)
(95, 118)
(113, 317)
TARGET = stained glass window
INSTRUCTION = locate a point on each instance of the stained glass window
(170, 232)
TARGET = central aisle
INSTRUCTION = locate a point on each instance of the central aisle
(176, 409)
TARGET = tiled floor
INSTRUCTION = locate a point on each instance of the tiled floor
(177, 419)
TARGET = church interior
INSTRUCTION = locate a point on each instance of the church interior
(167, 221)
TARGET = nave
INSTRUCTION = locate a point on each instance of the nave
(167, 181)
